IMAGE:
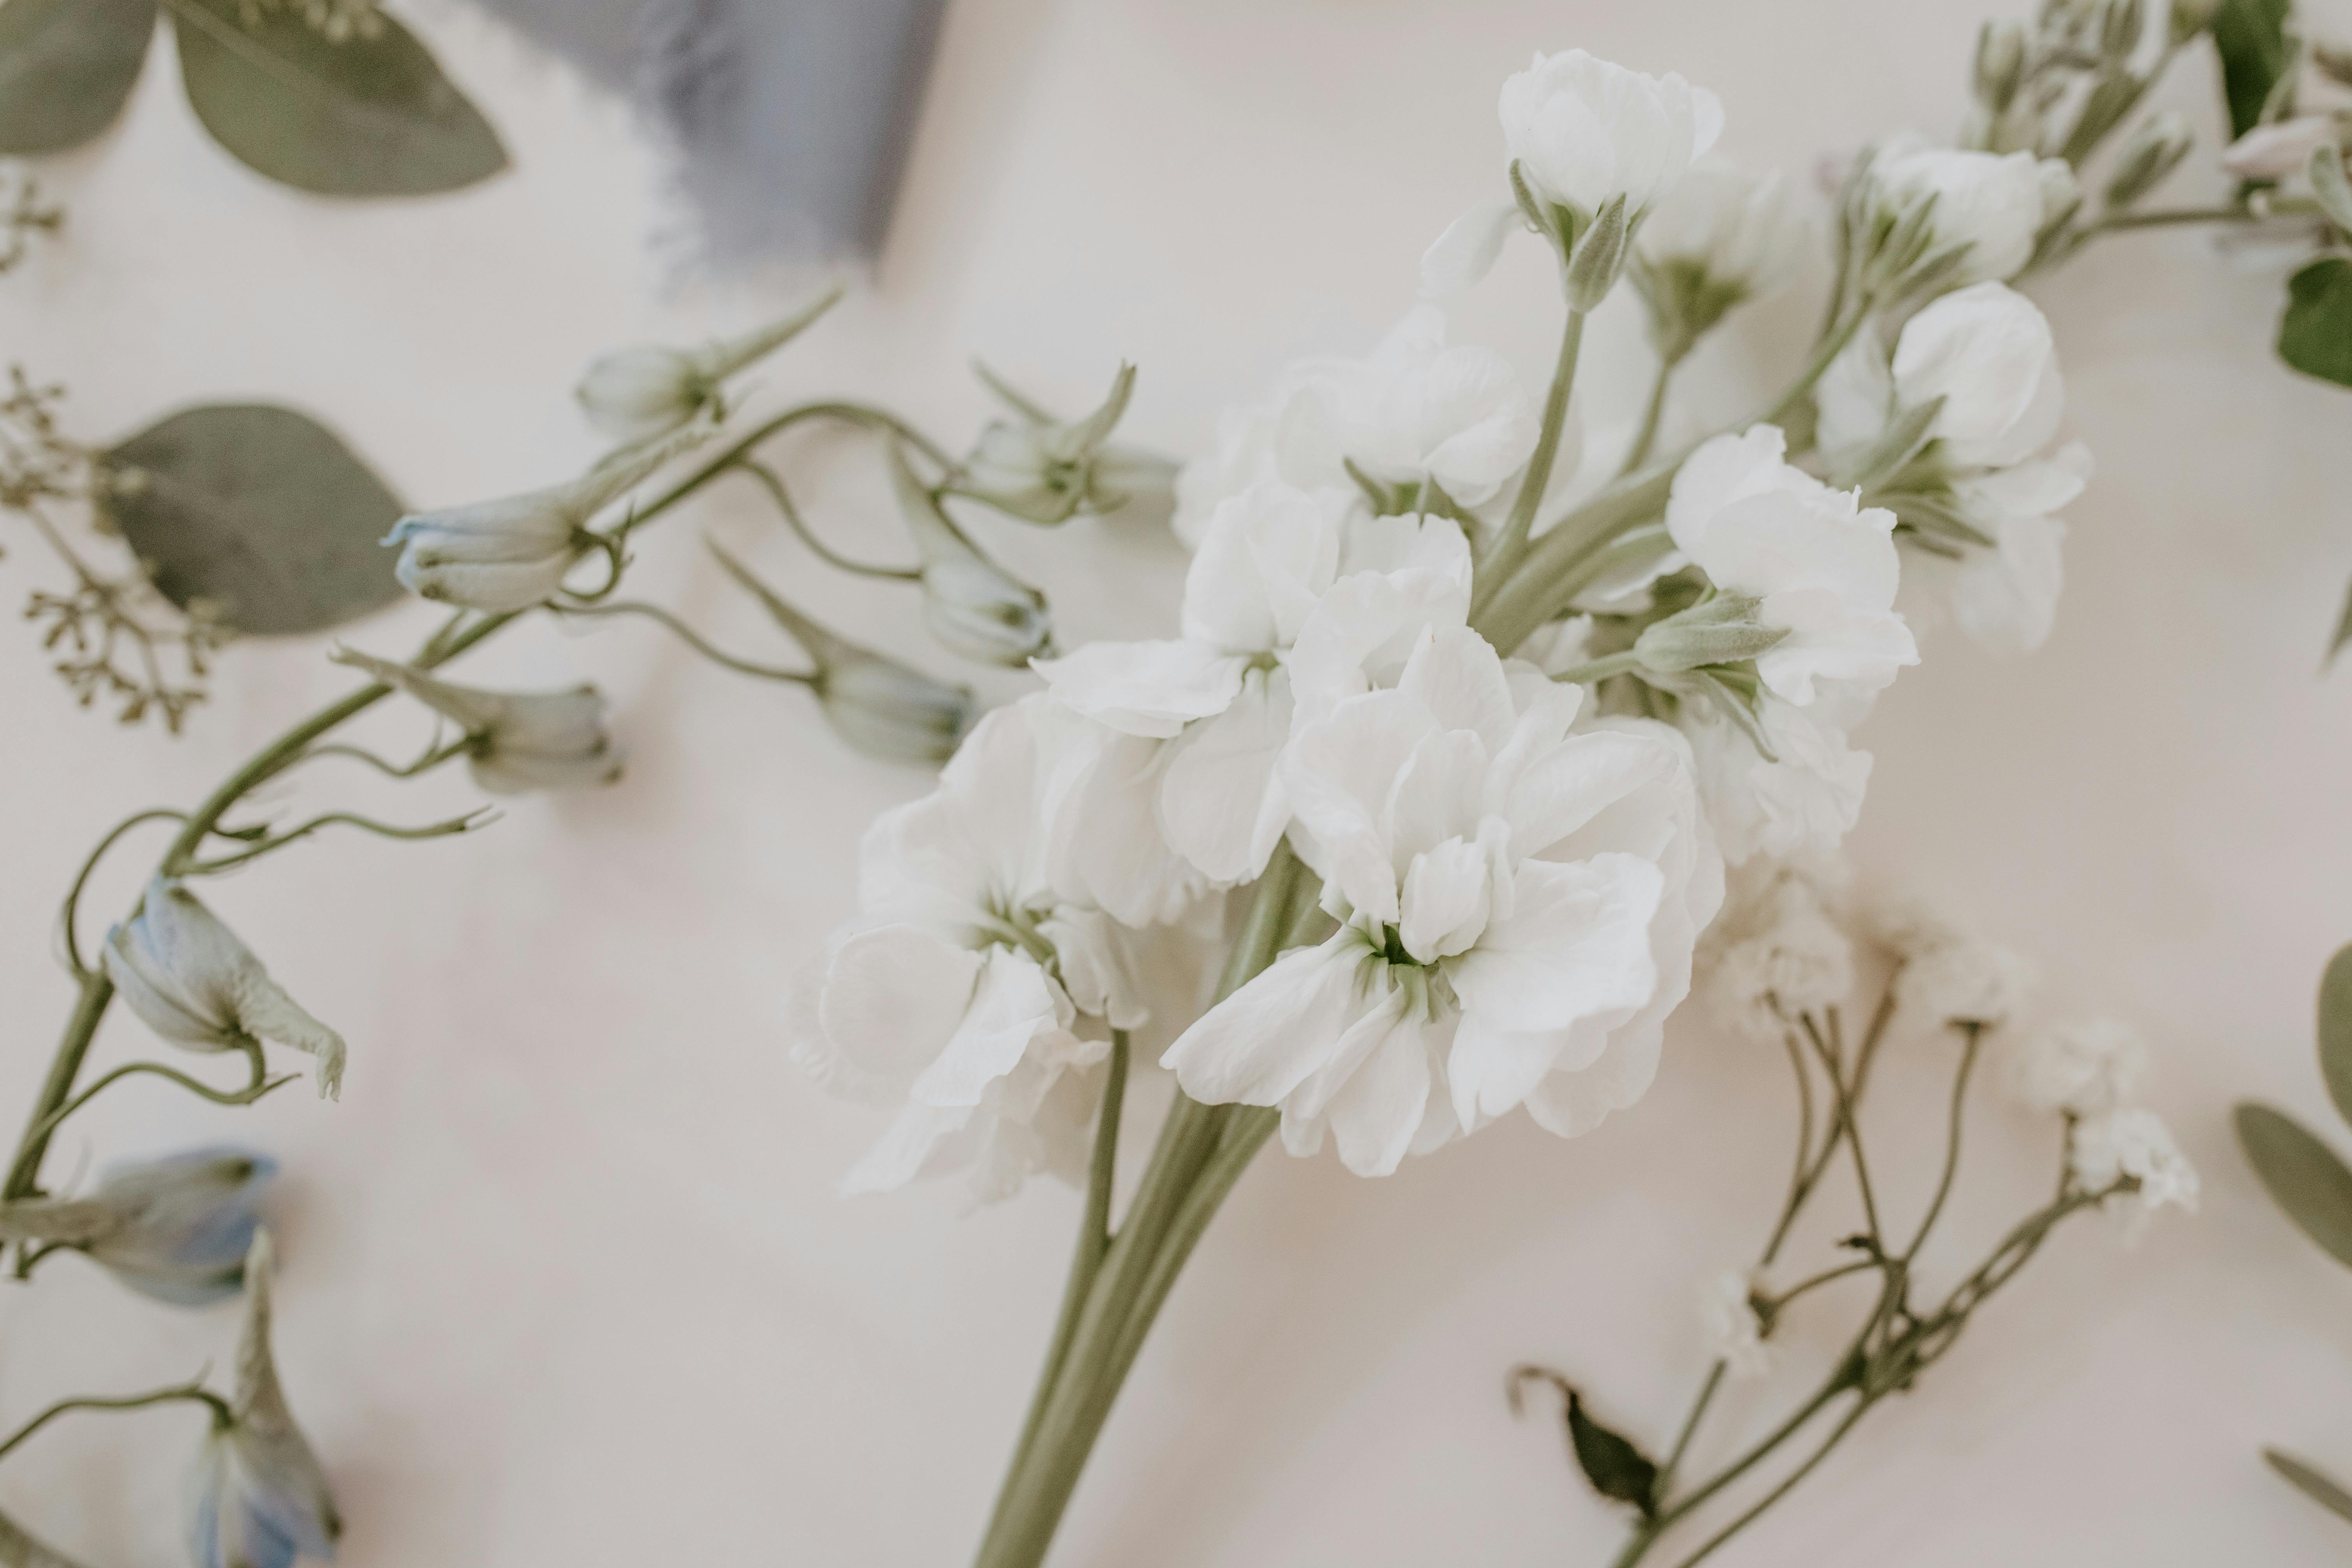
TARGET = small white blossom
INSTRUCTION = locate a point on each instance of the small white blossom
(1992, 206)
(1806, 796)
(257, 1497)
(1948, 976)
(1416, 409)
(2085, 1070)
(1734, 1334)
(517, 742)
(1787, 958)
(2134, 1144)
(1581, 131)
(1584, 130)
(1821, 567)
(188, 978)
(1723, 237)
(955, 993)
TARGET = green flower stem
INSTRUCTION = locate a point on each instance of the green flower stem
(68, 938)
(1511, 543)
(1094, 1241)
(1653, 413)
(181, 1394)
(258, 1086)
(1202, 1152)
(1969, 1053)
(691, 637)
(1787, 1484)
(774, 485)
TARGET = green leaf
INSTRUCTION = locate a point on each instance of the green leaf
(259, 511)
(1616, 1469)
(66, 68)
(2251, 37)
(2303, 1175)
(2311, 1483)
(2316, 334)
(2335, 1030)
(365, 117)
(2343, 632)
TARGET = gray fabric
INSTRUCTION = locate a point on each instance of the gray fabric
(789, 119)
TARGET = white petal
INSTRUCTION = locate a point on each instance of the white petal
(1221, 801)
(1466, 252)
(1015, 1008)
(891, 999)
(1150, 689)
(1266, 1038)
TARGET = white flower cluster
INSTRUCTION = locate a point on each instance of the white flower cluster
(2090, 1073)
(1516, 868)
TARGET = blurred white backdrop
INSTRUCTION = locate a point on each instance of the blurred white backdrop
(566, 1281)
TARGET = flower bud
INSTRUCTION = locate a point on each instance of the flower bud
(1723, 629)
(176, 1228)
(1999, 62)
(515, 742)
(1600, 256)
(1043, 471)
(2276, 151)
(2154, 151)
(508, 554)
(642, 394)
(188, 978)
(257, 1497)
(972, 605)
(880, 706)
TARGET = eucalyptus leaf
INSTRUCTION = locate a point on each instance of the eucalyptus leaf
(2315, 334)
(2343, 631)
(2304, 1176)
(364, 116)
(261, 511)
(2335, 1030)
(2311, 1483)
(66, 67)
(2251, 37)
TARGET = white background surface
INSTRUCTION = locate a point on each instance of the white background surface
(566, 1282)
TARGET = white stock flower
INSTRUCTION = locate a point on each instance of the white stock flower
(2278, 150)
(1806, 796)
(1519, 906)
(515, 742)
(1821, 567)
(188, 978)
(1583, 131)
(1994, 204)
(498, 556)
(2116, 1144)
(1734, 1334)
(956, 990)
(1721, 237)
(1987, 351)
(1415, 408)
(2083, 1069)
(1222, 695)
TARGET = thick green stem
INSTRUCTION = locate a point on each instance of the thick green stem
(1202, 1152)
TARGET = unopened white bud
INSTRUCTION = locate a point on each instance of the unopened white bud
(517, 742)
